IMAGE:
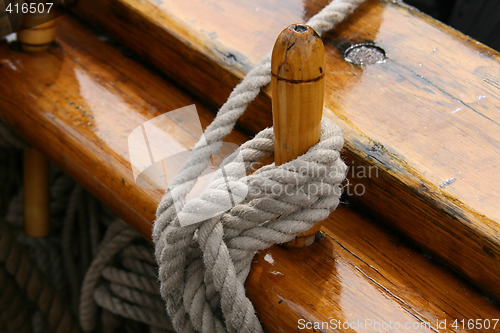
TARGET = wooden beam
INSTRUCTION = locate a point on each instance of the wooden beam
(421, 127)
(78, 103)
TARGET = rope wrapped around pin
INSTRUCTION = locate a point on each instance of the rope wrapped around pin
(207, 263)
(203, 266)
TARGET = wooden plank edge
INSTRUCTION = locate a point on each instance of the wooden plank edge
(463, 240)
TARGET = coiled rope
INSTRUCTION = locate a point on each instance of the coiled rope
(14, 316)
(33, 282)
(127, 287)
(41, 277)
(202, 267)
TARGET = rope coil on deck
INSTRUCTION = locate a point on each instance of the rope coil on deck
(38, 289)
(202, 267)
(128, 287)
(41, 278)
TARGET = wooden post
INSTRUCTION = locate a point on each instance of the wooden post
(298, 70)
(37, 38)
(39, 32)
(36, 194)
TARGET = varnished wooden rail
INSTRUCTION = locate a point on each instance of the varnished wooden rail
(421, 126)
(79, 102)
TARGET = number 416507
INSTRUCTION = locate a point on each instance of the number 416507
(475, 324)
(32, 8)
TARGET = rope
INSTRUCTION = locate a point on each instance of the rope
(14, 317)
(128, 288)
(205, 265)
(202, 267)
(37, 287)
(62, 258)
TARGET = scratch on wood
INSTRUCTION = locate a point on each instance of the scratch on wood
(492, 83)
(440, 89)
(234, 58)
(447, 182)
(378, 284)
(291, 45)
(420, 76)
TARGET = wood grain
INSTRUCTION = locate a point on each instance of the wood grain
(36, 194)
(297, 82)
(424, 121)
(79, 108)
(79, 102)
(357, 274)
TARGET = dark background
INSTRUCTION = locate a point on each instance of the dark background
(479, 19)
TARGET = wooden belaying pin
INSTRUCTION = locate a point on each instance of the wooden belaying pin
(37, 38)
(39, 31)
(297, 83)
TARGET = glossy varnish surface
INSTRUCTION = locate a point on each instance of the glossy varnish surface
(79, 102)
(78, 107)
(359, 275)
(421, 127)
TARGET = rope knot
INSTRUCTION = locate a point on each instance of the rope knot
(205, 264)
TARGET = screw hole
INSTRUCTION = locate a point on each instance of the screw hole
(365, 54)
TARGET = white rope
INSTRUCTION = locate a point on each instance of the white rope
(38, 288)
(202, 267)
(127, 287)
